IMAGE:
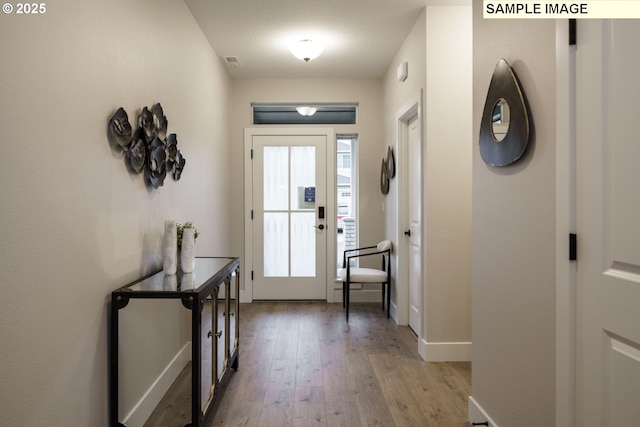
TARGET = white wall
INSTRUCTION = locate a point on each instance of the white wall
(367, 93)
(396, 97)
(448, 181)
(75, 225)
(513, 251)
(438, 51)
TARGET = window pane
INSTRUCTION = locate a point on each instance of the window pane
(287, 115)
(303, 244)
(276, 244)
(303, 177)
(276, 178)
(346, 209)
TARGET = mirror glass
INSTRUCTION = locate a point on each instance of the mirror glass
(221, 359)
(233, 304)
(207, 339)
(500, 120)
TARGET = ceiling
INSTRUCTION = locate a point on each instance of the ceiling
(361, 36)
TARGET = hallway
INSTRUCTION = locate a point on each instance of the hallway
(302, 365)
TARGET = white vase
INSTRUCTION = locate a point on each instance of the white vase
(188, 250)
(170, 248)
(187, 281)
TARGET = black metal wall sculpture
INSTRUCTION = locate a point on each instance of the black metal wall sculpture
(148, 149)
(504, 129)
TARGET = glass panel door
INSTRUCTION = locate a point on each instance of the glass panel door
(290, 224)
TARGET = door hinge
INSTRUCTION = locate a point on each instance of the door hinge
(573, 247)
(252, 153)
(251, 214)
(573, 32)
(251, 274)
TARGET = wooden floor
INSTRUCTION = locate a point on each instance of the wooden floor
(301, 364)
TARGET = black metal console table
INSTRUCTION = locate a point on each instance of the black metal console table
(196, 291)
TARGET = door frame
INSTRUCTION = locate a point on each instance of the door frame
(566, 222)
(246, 295)
(412, 108)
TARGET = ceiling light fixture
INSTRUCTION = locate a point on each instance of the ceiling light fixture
(306, 49)
(306, 111)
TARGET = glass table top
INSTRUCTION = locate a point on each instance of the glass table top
(205, 268)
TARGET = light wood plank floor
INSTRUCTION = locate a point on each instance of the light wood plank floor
(301, 364)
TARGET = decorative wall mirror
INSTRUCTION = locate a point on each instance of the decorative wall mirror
(391, 163)
(384, 178)
(504, 129)
(387, 171)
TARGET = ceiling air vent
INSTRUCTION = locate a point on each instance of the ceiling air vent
(232, 61)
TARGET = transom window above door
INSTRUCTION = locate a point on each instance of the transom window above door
(303, 114)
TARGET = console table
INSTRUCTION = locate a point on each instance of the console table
(199, 292)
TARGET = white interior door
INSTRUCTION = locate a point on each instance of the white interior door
(414, 147)
(290, 216)
(608, 135)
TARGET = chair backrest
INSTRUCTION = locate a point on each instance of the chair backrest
(385, 245)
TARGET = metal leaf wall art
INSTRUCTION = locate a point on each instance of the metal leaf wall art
(148, 149)
(119, 128)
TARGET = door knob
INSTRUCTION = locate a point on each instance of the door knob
(408, 233)
(321, 226)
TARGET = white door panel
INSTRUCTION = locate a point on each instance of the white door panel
(415, 223)
(608, 126)
(289, 237)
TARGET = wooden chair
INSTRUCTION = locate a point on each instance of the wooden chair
(349, 274)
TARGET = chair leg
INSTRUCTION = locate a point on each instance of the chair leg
(348, 291)
(344, 301)
(388, 286)
(383, 286)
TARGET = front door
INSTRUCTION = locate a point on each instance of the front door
(290, 215)
(608, 182)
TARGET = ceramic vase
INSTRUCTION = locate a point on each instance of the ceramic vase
(170, 248)
(188, 250)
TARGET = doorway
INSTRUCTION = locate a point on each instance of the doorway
(290, 227)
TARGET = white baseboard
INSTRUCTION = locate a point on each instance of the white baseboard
(145, 406)
(422, 348)
(445, 351)
(478, 415)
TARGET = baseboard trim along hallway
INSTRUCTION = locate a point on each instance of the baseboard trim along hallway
(445, 351)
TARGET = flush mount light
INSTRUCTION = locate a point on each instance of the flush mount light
(306, 111)
(306, 49)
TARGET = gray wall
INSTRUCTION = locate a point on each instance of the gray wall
(513, 249)
(75, 225)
